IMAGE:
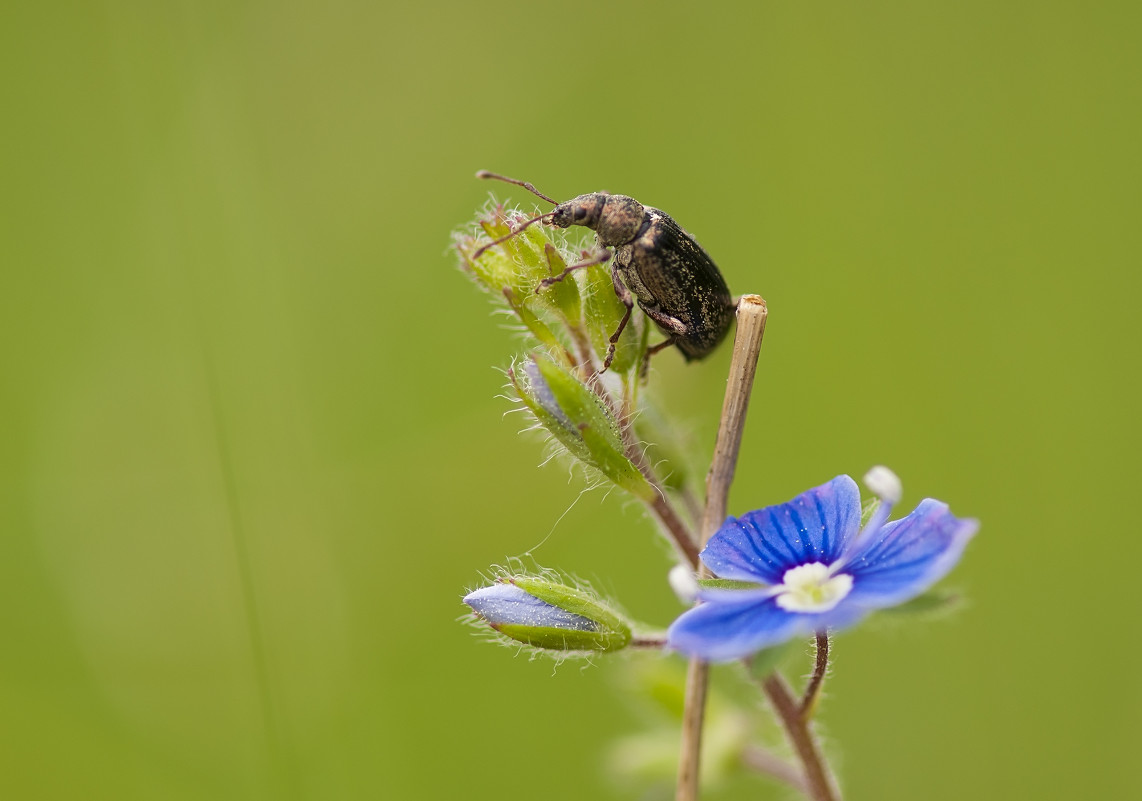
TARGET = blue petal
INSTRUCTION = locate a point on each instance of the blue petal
(907, 556)
(507, 605)
(721, 632)
(813, 527)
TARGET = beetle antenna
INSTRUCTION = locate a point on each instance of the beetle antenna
(524, 184)
(494, 242)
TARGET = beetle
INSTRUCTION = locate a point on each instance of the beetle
(655, 262)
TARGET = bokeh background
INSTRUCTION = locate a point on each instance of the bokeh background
(251, 452)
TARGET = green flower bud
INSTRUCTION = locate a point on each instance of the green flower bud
(526, 248)
(494, 269)
(578, 419)
(551, 616)
(524, 258)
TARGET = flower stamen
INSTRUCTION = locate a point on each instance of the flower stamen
(811, 588)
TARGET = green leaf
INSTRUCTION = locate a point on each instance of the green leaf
(728, 584)
(553, 639)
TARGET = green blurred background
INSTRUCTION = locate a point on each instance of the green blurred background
(252, 453)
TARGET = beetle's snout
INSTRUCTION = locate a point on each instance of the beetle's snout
(583, 210)
(561, 216)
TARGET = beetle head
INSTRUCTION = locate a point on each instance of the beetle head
(584, 210)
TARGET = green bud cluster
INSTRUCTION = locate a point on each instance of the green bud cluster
(572, 318)
(570, 322)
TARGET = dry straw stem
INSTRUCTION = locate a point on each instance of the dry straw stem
(751, 313)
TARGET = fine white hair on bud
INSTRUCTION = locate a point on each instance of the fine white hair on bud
(684, 584)
(884, 484)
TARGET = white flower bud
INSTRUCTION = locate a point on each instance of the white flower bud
(684, 583)
(884, 484)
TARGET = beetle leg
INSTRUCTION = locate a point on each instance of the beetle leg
(666, 343)
(663, 345)
(615, 338)
(601, 257)
(627, 299)
(672, 325)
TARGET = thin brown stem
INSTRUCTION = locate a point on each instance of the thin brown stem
(693, 714)
(655, 642)
(752, 312)
(813, 688)
(820, 786)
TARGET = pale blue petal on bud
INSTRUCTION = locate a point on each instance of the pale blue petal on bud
(508, 605)
(547, 615)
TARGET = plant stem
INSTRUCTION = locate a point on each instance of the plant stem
(813, 688)
(693, 715)
(655, 642)
(751, 314)
(820, 787)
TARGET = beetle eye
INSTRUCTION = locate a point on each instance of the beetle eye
(580, 213)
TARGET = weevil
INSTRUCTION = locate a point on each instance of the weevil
(653, 261)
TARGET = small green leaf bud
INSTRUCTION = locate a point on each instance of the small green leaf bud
(551, 616)
(579, 419)
(519, 256)
(495, 270)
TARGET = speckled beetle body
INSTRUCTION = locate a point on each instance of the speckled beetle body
(653, 262)
(674, 280)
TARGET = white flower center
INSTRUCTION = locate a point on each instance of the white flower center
(810, 588)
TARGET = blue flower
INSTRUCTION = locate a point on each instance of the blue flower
(817, 568)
